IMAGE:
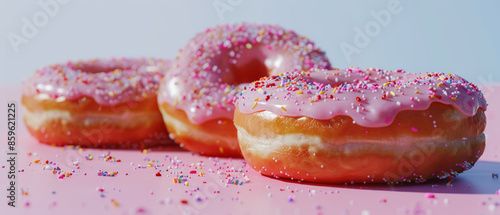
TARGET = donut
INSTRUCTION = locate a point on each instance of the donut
(102, 103)
(361, 126)
(196, 97)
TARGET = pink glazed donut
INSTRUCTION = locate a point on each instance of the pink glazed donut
(96, 103)
(196, 97)
(355, 126)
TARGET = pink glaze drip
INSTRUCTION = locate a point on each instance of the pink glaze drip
(108, 82)
(372, 98)
(201, 81)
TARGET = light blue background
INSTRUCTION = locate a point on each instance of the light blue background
(453, 36)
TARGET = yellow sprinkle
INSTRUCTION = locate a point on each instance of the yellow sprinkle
(176, 101)
(299, 92)
(201, 92)
(254, 105)
(200, 167)
(221, 149)
(453, 98)
(432, 96)
(385, 85)
(257, 99)
(115, 203)
(335, 90)
(322, 92)
(393, 94)
(201, 174)
(417, 92)
(187, 183)
(283, 108)
(150, 165)
(67, 175)
(36, 161)
(259, 90)
(440, 84)
(111, 93)
(144, 151)
(249, 46)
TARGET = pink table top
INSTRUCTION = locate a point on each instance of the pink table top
(137, 189)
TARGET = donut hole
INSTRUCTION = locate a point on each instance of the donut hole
(251, 71)
(253, 64)
(100, 67)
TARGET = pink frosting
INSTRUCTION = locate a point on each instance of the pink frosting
(372, 98)
(108, 82)
(208, 72)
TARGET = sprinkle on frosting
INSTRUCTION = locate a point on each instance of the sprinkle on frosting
(108, 82)
(372, 97)
(203, 82)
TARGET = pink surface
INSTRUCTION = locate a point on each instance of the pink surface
(137, 190)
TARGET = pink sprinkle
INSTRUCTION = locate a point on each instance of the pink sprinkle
(429, 195)
(367, 77)
(388, 120)
(414, 129)
(61, 176)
